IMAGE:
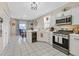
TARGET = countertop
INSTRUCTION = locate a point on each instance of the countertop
(31, 30)
(74, 34)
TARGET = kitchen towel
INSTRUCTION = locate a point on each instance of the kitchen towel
(60, 39)
(56, 38)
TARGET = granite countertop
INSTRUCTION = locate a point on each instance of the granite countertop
(73, 34)
(63, 32)
(31, 30)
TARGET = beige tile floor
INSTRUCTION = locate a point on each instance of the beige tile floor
(14, 48)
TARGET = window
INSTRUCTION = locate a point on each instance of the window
(46, 22)
(22, 26)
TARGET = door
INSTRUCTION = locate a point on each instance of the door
(34, 36)
(21, 30)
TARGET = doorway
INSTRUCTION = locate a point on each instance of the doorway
(21, 31)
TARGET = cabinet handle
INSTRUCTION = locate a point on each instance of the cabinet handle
(76, 38)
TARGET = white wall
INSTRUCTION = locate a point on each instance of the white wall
(5, 25)
(40, 24)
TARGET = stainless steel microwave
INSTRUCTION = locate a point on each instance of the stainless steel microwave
(64, 21)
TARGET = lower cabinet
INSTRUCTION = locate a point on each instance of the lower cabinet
(34, 36)
(45, 36)
(50, 38)
(74, 45)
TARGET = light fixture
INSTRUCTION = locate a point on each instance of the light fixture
(34, 6)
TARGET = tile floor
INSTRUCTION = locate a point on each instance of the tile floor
(14, 48)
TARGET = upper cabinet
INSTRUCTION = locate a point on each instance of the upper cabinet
(59, 15)
(63, 14)
(53, 20)
(75, 15)
(74, 12)
(47, 22)
(68, 12)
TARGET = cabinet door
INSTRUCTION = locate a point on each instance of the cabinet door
(74, 45)
(42, 36)
(52, 21)
(75, 15)
(34, 37)
(69, 12)
(50, 38)
(59, 15)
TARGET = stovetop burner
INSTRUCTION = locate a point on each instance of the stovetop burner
(65, 32)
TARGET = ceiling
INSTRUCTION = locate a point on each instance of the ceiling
(22, 10)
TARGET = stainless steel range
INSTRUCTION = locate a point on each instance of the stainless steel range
(61, 41)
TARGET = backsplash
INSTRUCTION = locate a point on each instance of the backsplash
(64, 27)
(75, 28)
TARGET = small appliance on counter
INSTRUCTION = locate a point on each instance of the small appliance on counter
(52, 29)
(76, 29)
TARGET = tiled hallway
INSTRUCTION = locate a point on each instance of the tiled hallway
(14, 48)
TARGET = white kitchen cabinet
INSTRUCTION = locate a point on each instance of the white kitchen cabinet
(47, 22)
(74, 45)
(74, 12)
(42, 36)
(59, 15)
(45, 36)
(75, 15)
(50, 37)
(29, 36)
(68, 12)
(64, 13)
(52, 21)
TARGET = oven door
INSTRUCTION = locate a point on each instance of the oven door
(65, 43)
